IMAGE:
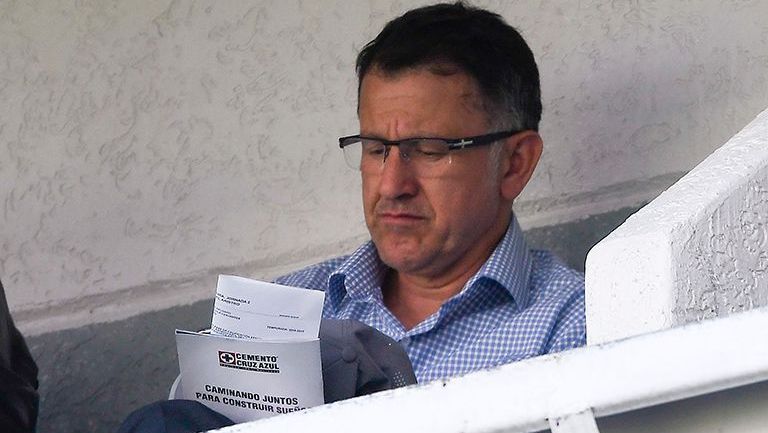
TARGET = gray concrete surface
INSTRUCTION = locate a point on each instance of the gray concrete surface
(92, 377)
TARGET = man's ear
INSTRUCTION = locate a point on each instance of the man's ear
(519, 156)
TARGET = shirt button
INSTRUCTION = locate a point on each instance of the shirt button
(405, 342)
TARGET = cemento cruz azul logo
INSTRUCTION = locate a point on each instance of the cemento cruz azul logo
(249, 361)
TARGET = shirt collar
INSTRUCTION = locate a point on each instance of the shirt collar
(361, 275)
(509, 266)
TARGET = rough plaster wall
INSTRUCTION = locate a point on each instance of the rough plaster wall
(153, 141)
(146, 145)
(698, 251)
(722, 268)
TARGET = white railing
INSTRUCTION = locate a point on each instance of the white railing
(562, 391)
(698, 251)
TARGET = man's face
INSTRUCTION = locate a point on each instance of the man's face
(428, 227)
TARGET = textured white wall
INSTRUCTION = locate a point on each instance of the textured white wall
(698, 251)
(145, 145)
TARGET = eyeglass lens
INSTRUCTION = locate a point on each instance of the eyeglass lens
(427, 157)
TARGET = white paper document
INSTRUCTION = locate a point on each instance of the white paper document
(249, 379)
(262, 357)
(246, 308)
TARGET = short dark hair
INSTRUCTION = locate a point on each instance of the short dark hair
(474, 41)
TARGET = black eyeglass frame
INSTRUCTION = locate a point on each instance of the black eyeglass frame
(453, 143)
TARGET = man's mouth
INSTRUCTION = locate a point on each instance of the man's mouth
(399, 218)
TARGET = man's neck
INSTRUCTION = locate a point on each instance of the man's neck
(413, 298)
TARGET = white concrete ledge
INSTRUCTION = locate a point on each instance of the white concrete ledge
(699, 250)
(613, 378)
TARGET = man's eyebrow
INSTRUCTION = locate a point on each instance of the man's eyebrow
(407, 137)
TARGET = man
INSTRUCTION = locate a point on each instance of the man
(449, 106)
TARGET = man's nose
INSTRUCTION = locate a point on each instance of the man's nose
(397, 177)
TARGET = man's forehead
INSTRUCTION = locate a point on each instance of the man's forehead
(447, 74)
(419, 102)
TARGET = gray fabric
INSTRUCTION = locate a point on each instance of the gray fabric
(173, 416)
(359, 360)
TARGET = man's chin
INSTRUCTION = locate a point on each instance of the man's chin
(405, 260)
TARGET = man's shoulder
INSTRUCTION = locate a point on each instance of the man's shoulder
(559, 289)
(552, 275)
(314, 276)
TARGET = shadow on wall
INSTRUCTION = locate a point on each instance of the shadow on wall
(92, 377)
(571, 242)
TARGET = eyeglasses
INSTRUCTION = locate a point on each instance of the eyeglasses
(427, 156)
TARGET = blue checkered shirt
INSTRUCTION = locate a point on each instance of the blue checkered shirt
(521, 303)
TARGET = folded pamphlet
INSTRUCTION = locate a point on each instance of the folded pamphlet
(262, 356)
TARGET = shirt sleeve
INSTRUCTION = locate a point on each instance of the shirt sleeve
(570, 330)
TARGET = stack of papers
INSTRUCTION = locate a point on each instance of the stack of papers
(262, 355)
